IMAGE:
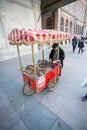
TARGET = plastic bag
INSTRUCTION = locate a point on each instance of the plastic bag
(83, 49)
(84, 83)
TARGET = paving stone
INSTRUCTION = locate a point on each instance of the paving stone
(24, 104)
(53, 101)
(41, 94)
(39, 118)
(60, 125)
(3, 100)
(4, 78)
(8, 117)
(19, 126)
(11, 89)
(74, 114)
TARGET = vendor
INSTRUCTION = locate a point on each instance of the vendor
(54, 54)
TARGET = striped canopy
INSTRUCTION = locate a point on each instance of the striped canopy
(39, 36)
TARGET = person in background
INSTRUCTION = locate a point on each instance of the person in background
(84, 97)
(74, 43)
(54, 54)
(81, 45)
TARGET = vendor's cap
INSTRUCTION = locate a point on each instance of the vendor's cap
(55, 45)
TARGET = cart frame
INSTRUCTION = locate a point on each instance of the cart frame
(34, 83)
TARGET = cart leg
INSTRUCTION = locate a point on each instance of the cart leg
(27, 89)
(57, 78)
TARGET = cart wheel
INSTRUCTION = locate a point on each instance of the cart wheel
(52, 85)
(27, 89)
(57, 78)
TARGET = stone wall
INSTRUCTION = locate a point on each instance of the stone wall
(17, 14)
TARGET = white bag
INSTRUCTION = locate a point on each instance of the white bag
(84, 83)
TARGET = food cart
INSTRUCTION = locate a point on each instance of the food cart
(42, 74)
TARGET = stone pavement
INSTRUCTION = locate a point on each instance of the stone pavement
(61, 109)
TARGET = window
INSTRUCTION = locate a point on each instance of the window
(71, 27)
(74, 28)
(62, 24)
(66, 26)
(80, 30)
(49, 24)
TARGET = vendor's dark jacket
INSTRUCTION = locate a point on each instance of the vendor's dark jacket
(61, 54)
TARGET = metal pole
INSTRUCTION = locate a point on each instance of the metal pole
(32, 48)
(43, 55)
(19, 57)
(58, 52)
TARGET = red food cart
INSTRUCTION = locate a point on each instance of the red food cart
(42, 74)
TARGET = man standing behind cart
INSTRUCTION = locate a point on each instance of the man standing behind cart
(54, 54)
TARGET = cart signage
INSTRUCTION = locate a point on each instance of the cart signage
(41, 82)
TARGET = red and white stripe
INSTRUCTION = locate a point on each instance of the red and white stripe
(27, 36)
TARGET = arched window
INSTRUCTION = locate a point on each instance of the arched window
(62, 24)
(49, 24)
(80, 30)
(66, 26)
(71, 27)
(74, 28)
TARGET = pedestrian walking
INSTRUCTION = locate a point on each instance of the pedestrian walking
(74, 43)
(81, 45)
(84, 97)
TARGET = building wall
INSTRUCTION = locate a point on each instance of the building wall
(77, 9)
(17, 14)
(65, 15)
(68, 16)
(71, 12)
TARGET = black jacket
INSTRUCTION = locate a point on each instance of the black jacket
(61, 54)
(74, 41)
(81, 44)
